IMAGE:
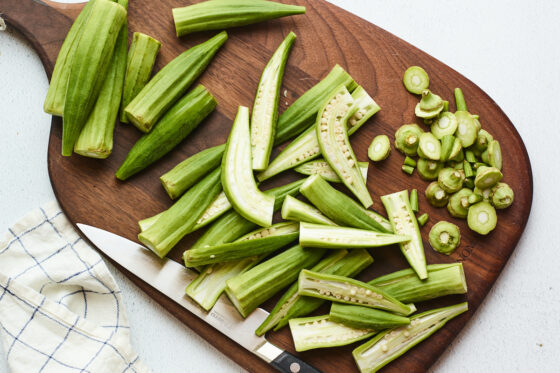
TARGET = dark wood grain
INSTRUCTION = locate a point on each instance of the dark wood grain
(89, 193)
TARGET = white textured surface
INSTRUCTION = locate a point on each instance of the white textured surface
(509, 48)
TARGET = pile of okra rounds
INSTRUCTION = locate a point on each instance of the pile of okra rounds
(321, 244)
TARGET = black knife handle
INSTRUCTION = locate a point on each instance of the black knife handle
(288, 363)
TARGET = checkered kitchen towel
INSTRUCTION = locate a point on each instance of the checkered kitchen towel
(60, 308)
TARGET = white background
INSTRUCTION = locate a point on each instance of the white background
(509, 48)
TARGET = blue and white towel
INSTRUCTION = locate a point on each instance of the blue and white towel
(60, 308)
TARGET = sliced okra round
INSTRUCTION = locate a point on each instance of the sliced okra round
(482, 140)
(429, 106)
(444, 237)
(482, 218)
(486, 194)
(487, 177)
(467, 130)
(495, 154)
(450, 180)
(407, 138)
(416, 80)
(429, 147)
(456, 153)
(445, 124)
(435, 195)
(428, 169)
(502, 196)
(458, 205)
(380, 148)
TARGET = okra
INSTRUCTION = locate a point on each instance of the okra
(237, 178)
(290, 305)
(294, 209)
(179, 219)
(342, 209)
(262, 241)
(306, 146)
(404, 222)
(223, 14)
(423, 219)
(329, 237)
(321, 167)
(265, 107)
(173, 127)
(56, 95)
(148, 222)
(414, 200)
(96, 138)
(251, 288)
(391, 344)
(365, 318)
(320, 332)
(192, 169)
(343, 289)
(89, 68)
(443, 279)
(139, 64)
(170, 83)
(231, 225)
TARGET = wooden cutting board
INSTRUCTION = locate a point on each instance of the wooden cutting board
(89, 193)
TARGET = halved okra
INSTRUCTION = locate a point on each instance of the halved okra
(291, 304)
(322, 168)
(139, 64)
(173, 128)
(231, 225)
(391, 344)
(306, 146)
(185, 174)
(259, 242)
(170, 83)
(321, 332)
(96, 138)
(89, 68)
(179, 219)
(333, 140)
(294, 209)
(364, 317)
(237, 175)
(347, 290)
(251, 288)
(223, 14)
(265, 108)
(443, 279)
(404, 222)
(342, 209)
(330, 237)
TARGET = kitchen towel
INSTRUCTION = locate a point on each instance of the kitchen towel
(60, 308)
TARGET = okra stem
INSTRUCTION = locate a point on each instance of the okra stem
(407, 169)
(460, 102)
(409, 161)
(422, 219)
(414, 200)
(294, 209)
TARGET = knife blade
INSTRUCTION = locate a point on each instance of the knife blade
(171, 279)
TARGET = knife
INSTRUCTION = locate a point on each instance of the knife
(171, 279)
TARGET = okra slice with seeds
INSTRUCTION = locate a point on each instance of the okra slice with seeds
(343, 289)
(260, 242)
(140, 62)
(364, 317)
(265, 108)
(171, 82)
(416, 80)
(482, 218)
(443, 279)
(185, 174)
(319, 332)
(467, 130)
(224, 14)
(404, 222)
(445, 237)
(391, 344)
(89, 68)
(380, 148)
(294, 209)
(429, 106)
(335, 146)
(321, 167)
(330, 237)
(340, 208)
(250, 289)
(291, 304)
(502, 196)
(237, 175)
(429, 147)
(173, 128)
(179, 219)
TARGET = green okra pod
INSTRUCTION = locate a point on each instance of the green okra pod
(322, 168)
(179, 219)
(290, 305)
(347, 290)
(189, 171)
(170, 83)
(224, 14)
(89, 68)
(342, 209)
(139, 64)
(359, 317)
(294, 209)
(251, 288)
(391, 344)
(173, 127)
(96, 138)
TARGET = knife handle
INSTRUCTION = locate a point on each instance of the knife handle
(288, 363)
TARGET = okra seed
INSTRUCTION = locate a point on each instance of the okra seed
(353, 292)
(406, 334)
(368, 292)
(346, 298)
(359, 115)
(384, 348)
(212, 256)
